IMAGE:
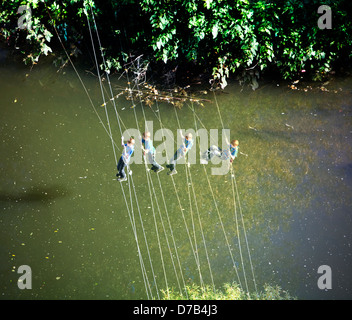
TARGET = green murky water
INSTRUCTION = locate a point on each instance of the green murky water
(63, 213)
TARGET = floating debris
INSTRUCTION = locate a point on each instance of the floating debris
(149, 95)
(249, 127)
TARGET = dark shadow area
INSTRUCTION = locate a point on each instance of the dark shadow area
(3, 55)
(347, 168)
(36, 194)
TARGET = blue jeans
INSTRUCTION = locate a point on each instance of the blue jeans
(178, 155)
(121, 168)
(151, 159)
(214, 151)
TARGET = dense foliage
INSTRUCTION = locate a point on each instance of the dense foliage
(229, 292)
(240, 35)
(219, 37)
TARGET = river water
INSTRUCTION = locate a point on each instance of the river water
(64, 214)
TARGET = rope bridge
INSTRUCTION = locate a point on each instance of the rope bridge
(157, 197)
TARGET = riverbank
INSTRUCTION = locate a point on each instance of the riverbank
(178, 84)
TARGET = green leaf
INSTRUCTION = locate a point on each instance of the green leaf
(214, 31)
(207, 3)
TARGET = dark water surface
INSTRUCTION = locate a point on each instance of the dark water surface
(63, 213)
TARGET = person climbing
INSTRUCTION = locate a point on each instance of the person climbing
(181, 152)
(230, 153)
(149, 152)
(128, 149)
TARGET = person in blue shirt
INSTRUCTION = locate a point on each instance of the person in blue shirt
(127, 152)
(228, 154)
(181, 152)
(149, 152)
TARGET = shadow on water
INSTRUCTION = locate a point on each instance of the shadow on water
(36, 194)
(3, 55)
(347, 171)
